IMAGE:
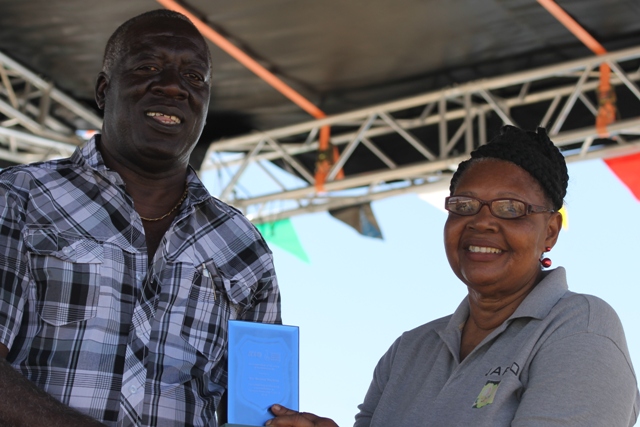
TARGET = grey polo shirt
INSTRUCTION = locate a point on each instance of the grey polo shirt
(560, 360)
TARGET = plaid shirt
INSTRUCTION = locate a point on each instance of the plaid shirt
(95, 323)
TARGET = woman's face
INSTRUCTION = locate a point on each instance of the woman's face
(492, 256)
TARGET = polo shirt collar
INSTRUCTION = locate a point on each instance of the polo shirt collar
(536, 305)
(544, 296)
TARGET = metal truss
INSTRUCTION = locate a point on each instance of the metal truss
(440, 129)
(37, 121)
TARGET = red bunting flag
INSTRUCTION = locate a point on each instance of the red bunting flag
(627, 169)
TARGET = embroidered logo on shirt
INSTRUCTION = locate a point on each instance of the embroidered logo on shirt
(504, 370)
(487, 394)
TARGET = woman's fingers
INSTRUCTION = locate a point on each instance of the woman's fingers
(279, 410)
(286, 417)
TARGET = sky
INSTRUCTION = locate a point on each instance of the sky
(358, 294)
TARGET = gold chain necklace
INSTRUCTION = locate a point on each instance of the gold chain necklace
(184, 196)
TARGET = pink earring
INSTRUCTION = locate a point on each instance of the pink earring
(546, 262)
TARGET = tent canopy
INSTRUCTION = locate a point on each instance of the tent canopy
(341, 55)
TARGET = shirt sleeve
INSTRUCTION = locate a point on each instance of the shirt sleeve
(584, 379)
(13, 270)
(265, 302)
(380, 378)
(265, 306)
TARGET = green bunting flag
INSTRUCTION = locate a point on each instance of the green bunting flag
(282, 234)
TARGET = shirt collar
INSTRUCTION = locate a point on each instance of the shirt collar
(197, 191)
(544, 296)
(89, 156)
(537, 304)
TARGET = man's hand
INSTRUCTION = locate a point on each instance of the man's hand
(288, 418)
(4, 351)
(23, 404)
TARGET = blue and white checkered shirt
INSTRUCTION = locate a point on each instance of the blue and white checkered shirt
(95, 323)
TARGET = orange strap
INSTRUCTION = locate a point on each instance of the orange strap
(606, 94)
(271, 79)
(606, 102)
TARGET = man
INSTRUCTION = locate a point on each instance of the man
(118, 270)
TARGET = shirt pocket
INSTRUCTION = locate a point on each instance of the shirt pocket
(207, 312)
(66, 272)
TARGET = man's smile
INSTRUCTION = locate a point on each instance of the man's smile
(164, 118)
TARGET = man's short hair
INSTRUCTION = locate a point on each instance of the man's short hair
(117, 42)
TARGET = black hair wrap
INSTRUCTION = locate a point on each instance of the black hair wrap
(532, 151)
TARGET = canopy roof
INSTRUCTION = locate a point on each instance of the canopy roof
(342, 55)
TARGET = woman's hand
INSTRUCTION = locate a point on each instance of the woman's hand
(288, 418)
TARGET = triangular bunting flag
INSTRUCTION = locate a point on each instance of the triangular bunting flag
(282, 234)
(435, 198)
(627, 169)
(361, 218)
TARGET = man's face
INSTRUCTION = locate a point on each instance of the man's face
(156, 95)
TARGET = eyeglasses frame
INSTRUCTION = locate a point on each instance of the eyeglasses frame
(531, 209)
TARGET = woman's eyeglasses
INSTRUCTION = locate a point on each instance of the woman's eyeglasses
(500, 208)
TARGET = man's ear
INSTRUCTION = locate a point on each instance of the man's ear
(101, 89)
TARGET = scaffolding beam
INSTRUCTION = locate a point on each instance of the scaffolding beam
(37, 120)
(452, 122)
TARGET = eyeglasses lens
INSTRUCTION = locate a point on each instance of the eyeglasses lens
(463, 205)
(508, 208)
(503, 208)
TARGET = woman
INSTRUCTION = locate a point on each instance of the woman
(521, 349)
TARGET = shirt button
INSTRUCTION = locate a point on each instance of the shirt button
(133, 389)
(139, 277)
(67, 250)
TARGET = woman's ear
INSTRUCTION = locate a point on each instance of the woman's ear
(554, 226)
(101, 89)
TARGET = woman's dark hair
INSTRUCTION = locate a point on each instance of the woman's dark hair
(532, 151)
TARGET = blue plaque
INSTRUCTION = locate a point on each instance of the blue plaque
(263, 370)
